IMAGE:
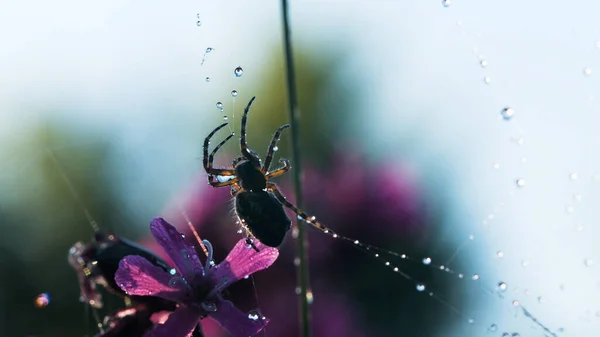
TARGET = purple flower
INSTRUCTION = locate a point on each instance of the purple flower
(195, 287)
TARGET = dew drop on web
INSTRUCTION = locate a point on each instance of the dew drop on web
(507, 113)
(238, 72)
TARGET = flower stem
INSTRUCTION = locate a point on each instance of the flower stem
(302, 242)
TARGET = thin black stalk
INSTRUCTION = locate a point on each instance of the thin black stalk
(302, 242)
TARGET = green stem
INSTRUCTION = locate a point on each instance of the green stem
(302, 242)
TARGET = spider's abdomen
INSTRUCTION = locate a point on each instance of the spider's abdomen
(264, 216)
(250, 176)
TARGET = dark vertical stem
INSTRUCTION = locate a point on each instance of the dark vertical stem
(302, 242)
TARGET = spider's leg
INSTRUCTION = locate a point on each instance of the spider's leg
(208, 159)
(250, 242)
(243, 145)
(280, 171)
(236, 189)
(211, 169)
(214, 183)
(271, 148)
(310, 220)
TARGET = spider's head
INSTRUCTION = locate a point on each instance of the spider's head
(254, 159)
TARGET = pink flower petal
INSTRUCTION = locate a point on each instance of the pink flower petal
(236, 322)
(182, 254)
(180, 323)
(243, 261)
(137, 276)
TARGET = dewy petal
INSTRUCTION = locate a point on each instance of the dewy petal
(236, 322)
(137, 276)
(179, 324)
(182, 254)
(241, 262)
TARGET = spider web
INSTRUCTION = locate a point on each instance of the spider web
(522, 191)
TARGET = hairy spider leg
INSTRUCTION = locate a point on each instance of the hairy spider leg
(280, 171)
(236, 189)
(244, 147)
(271, 148)
(208, 161)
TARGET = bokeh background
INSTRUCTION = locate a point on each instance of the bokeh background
(402, 136)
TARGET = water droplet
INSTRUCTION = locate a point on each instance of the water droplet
(501, 286)
(506, 334)
(516, 334)
(296, 261)
(420, 287)
(209, 49)
(42, 300)
(299, 217)
(297, 290)
(471, 320)
(427, 261)
(471, 237)
(483, 63)
(587, 71)
(541, 299)
(207, 79)
(309, 297)
(475, 277)
(234, 93)
(507, 113)
(500, 254)
(460, 276)
(225, 118)
(493, 327)
(588, 262)
(238, 72)
(577, 197)
(219, 105)
(356, 242)
(515, 303)
(569, 209)
(520, 182)
(524, 263)
(198, 23)
(573, 176)
(172, 271)
(446, 3)
(277, 149)
(496, 165)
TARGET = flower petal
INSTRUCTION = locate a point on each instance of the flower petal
(137, 276)
(241, 262)
(181, 253)
(236, 322)
(180, 323)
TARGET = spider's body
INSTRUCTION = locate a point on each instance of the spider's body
(263, 216)
(259, 204)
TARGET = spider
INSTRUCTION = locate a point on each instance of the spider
(258, 202)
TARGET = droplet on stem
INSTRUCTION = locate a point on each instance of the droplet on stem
(234, 93)
(219, 105)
